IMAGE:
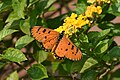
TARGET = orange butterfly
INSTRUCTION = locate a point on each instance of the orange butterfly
(57, 42)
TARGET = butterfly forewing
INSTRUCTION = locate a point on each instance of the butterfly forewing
(66, 48)
(47, 37)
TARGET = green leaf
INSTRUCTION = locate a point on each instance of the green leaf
(55, 22)
(104, 33)
(83, 38)
(102, 46)
(25, 26)
(77, 65)
(23, 41)
(33, 19)
(78, 8)
(98, 35)
(105, 25)
(6, 32)
(13, 76)
(115, 75)
(1, 24)
(31, 2)
(13, 25)
(5, 5)
(37, 71)
(2, 64)
(115, 8)
(55, 66)
(49, 3)
(90, 75)
(40, 56)
(113, 53)
(116, 30)
(67, 65)
(88, 64)
(14, 55)
(95, 37)
(18, 10)
(40, 5)
(108, 17)
(39, 8)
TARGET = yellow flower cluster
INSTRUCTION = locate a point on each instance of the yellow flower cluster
(99, 1)
(106, 1)
(92, 9)
(72, 23)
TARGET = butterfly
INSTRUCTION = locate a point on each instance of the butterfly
(57, 42)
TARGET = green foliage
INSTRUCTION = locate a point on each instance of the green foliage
(115, 8)
(88, 64)
(37, 71)
(113, 53)
(40, 56)
(5, 32)
(100, 53)
(18, 10)
(23, 41)
(14, 55)
(13, 76)
(90, 75)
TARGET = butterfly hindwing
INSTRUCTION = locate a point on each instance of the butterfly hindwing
(47, 37)
(66, 48)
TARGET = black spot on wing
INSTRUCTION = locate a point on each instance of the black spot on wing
(49, 32)
(77, 50)
(72, 47)
(72, 52)
(69, 43)
(44, 30)
(38, 30)
(75, 53)
(45, 37)
(66, 49)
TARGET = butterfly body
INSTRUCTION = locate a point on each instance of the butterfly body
(57, 42)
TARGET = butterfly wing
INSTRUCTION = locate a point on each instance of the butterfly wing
(66, 48)
(47, 37)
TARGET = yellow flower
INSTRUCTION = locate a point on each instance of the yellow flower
(98, 1)
(81, 21)
(92, 9)
(106, 1)
(60, 29)
(72, 23)
(99, 10)
(91, 1)
(68, 25)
